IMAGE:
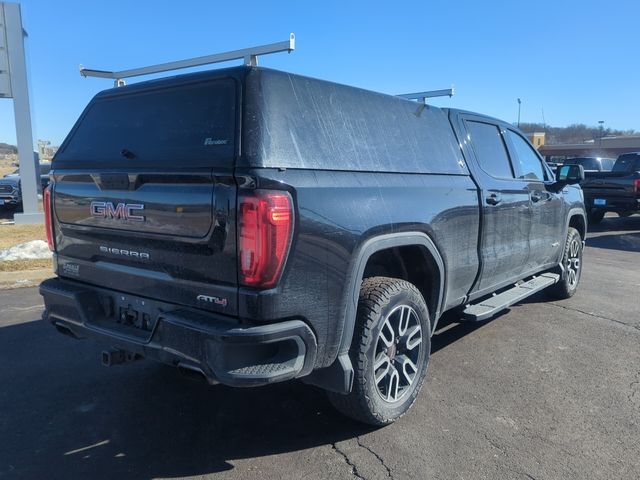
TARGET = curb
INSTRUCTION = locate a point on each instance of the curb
(24, 278)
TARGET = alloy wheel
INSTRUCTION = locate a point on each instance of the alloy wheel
(397, 353)
(573, 263)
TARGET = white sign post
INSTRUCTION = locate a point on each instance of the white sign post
(13, 84)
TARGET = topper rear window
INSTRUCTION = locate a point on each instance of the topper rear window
(183, 125)
(627, 163)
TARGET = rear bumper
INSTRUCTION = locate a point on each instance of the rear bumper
(222, 349)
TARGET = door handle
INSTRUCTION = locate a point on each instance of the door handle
(493, 199)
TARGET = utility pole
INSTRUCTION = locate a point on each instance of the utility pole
(601, 127)
(519, 103)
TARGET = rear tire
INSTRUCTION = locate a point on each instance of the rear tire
(596, 216)
(572, 263)
(390, 352)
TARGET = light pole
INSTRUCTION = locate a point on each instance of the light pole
(601, 126)
(519, 103)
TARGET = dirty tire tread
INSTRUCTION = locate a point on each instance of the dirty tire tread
(376, 293)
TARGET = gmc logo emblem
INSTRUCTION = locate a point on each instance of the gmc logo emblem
(121, 211)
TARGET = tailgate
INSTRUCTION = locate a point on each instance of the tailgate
(171, 236)
(610, 186)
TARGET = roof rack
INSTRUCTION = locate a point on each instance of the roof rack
(248, 55)
(422, 96)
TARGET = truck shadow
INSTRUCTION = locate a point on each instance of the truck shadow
(626, 242)
(615, 223)
(616, 233)
(450, 329)
(63, 415)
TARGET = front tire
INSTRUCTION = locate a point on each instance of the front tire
(572, 263)
(390, 352)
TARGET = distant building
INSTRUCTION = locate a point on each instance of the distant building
(46, 150)
(602, 147)
(537, 139)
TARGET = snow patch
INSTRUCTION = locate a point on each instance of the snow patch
(36, 249)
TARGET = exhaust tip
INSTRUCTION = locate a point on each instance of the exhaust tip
(106, 358)
(193, 373)
(63, 329)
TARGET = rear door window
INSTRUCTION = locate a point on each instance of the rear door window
(183, 125)
(528, 164)
(490, 149)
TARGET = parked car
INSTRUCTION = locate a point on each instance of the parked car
(616, 191)
(288, 227)
(592, 164)
(10, 191)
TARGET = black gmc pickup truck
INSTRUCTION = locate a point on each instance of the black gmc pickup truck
(251, 226)
(615, 191)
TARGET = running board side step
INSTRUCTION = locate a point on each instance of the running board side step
(488, 307)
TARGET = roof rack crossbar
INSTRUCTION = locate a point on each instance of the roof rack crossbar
(422, 96)
(248, 55)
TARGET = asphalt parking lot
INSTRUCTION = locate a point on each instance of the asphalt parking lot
(544, 391)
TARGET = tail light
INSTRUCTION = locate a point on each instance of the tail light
(48, 224)
(265, 230)
(636, 185)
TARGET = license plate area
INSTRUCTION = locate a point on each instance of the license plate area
(1, 201)
(600, 201)
(127, 315)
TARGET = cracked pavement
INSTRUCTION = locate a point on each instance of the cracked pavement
(546, 390)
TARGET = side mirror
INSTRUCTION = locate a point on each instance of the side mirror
(569, 174)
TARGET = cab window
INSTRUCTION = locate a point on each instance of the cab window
(490, 149)
(527, 163)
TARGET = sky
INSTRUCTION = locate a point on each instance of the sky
(569, 61)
